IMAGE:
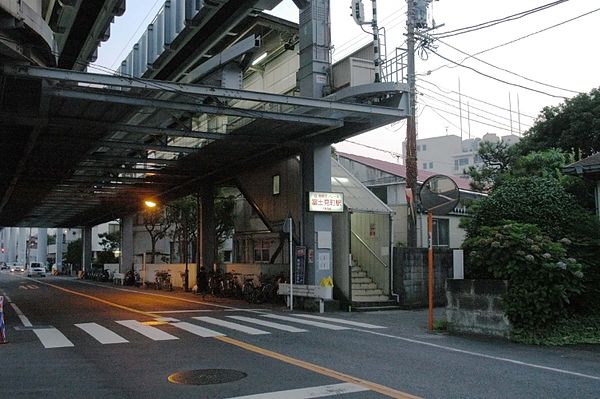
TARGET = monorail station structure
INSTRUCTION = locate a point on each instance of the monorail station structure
(210, 91)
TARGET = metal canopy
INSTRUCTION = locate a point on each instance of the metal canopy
(80, 149)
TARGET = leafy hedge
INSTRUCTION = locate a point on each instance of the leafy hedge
(536, 200)
(542, 279)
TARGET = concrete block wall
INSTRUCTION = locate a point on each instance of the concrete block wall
(410, 275)
(475, 307)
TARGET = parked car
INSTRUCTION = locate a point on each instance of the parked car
(16, 267)
(36, 268)
(4, 266)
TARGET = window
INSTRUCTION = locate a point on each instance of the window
(380, 192)
(456, 164)
(463, 161)
(113, 228)
(424, 148)
(430, 165)
(276, 181)
(441, 232)
(424, 165)
(262, 251)
(418, 148)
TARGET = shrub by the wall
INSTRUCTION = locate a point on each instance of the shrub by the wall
(542, 279)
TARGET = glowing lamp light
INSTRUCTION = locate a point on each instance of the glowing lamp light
(259, 58)
(150, 203)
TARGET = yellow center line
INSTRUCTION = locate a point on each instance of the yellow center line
(382, 389)
(94, 298)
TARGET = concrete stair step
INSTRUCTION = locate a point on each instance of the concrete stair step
(361, 280)
(367, 292)
(375, 306)
(364, 286)
(370, 298)
(356, 269)
(359, 274)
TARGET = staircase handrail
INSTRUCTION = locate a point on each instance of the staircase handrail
(369, 249)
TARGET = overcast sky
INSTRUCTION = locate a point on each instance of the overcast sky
(565, 57)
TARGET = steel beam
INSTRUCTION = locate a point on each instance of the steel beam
(119, 98)
(147, 147)
(207, 91)
(128, 160)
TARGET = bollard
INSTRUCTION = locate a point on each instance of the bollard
(2, 329)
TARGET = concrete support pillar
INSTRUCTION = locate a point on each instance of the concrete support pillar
(317, 227)
(22, 246)
(12, 245)
(207, 240)
(315, 47)
(4, 237)
(126, 259)
(314, 81)
(59, 249)
(42, 246)
(86, 244)
(597, 198)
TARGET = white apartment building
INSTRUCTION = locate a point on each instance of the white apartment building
(449, 155)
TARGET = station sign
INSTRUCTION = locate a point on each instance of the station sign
(325, 202)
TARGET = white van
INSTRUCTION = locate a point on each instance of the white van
(36, 268)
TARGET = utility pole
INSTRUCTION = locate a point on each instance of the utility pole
(411, 129)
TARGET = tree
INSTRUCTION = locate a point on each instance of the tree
(224, 216)
(74, 253)
(497, 159)
(535, 200)
(157, 225)
(573, 127)
(110, 242)
(182, 216)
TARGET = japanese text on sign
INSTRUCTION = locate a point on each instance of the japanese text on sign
(325, 202)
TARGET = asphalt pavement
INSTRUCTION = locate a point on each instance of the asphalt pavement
(86, 339)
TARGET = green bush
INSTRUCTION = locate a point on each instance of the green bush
(536, 200)
(542, 279)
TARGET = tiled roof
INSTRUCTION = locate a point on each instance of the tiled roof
(400, 170)
(592, 160)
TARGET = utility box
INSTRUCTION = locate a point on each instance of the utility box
(353, 72)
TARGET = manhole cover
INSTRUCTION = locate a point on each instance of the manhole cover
(206, 377)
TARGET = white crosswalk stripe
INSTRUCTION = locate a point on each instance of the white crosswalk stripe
(306, 393)
(149, 331)
(197, 330)
(52, 338)
(232, 326)
(341, 321)
(101, 334)
(307, 322)
(270, 324)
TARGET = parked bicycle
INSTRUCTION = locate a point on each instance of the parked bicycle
(162, 280)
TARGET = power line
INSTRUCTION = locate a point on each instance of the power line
(351, 42)
(495, 78)
(505, 70)
(472, 120)
(392, 153)
(517, 39)
(491, 23)
(473, 98)
(473, 107)
(474, 113)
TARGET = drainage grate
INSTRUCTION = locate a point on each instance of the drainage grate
(206, 376)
